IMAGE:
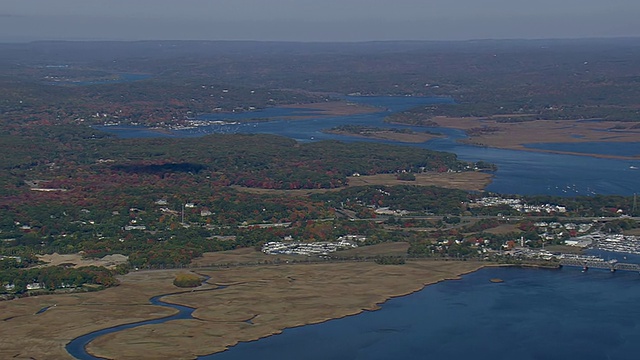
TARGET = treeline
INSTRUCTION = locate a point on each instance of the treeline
(70, 162)
(390, 260)
(429, 199)
(597, 205)
(150, 101)
(364, 130)
(18, 281)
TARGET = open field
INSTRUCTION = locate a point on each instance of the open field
(239, 256)
(29, 336)
(491, 132)
(385, 249)
(469, 180)
(504, 229)
(565, 249)
(333, 108)
(635, 232)
(273, 297)
(109, 261)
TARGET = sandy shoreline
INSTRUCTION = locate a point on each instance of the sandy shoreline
(306, 293)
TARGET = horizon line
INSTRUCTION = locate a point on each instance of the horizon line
(81, 40)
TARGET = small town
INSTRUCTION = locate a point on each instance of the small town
(518, 205)
(308, 249)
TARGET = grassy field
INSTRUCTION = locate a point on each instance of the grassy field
(490, 132)
(635, 232)
(565, 249)
(55, 259)
(385, 249)
(274, 297)
(239, 256)
(469, 180)
(413, 137)
(504, 229)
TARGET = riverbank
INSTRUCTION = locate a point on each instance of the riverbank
(517, 135)
(405, 137)
(331, 108)
(273, 297)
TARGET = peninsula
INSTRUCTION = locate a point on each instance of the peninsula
(274, 297)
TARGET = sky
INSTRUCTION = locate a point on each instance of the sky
(317, 20)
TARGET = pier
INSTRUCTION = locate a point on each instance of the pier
(586, 263)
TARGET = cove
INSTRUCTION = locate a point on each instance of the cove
(534, 314)
(519, 172)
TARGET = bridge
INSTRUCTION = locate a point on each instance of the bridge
(595, 263)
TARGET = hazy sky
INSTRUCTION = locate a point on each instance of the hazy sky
(318, 20)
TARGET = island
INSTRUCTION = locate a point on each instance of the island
(516, 135)
(400, 135)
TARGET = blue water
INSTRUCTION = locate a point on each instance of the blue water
(535, 314)
(77, 346)
(519, 172)
(605, 148)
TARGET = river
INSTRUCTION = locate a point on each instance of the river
(519, 172)
(535, 314)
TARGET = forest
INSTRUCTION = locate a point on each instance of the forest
(150, 84)
(69, 188)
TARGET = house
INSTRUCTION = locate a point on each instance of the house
(35, 286)
(135, 227)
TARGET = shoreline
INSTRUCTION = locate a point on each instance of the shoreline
(414, 137)
(489, 132)
(522, 147)
(259, 293)
(263, 297)
(332, 108)
(374, 307)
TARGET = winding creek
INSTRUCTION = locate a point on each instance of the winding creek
(77, 346)
(498, 311)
